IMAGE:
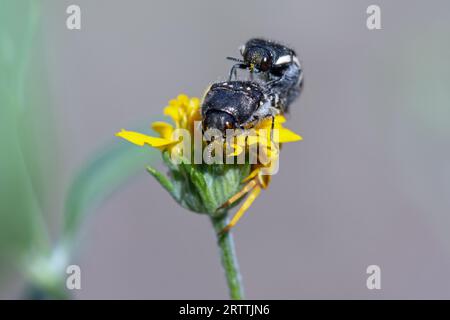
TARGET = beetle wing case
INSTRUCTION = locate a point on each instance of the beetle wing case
(237, 98)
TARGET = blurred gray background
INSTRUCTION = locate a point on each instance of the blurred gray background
(369, 184)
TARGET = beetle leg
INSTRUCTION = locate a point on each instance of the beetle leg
(252, 175)
(233, 71)
(248, 187)
(271, 128)
(248, 202)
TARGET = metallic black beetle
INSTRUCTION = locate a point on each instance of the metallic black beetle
(277, 65)
(236, 105)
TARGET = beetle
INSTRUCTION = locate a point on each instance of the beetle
(277, 65)
(237, 105)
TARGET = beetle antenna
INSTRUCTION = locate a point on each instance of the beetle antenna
(235, 59)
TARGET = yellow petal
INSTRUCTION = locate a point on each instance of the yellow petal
(280, 119)
(194, 103)
(286, 135)
(142, 139)
(183, 99)
(164, 129)
(173, 111)
(173, 102)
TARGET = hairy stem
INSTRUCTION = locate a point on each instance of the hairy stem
(228, 257)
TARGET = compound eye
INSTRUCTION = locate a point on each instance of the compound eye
(228, 125)
(265, 64)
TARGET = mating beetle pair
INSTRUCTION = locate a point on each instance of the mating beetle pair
(276, 79)
(238, 104)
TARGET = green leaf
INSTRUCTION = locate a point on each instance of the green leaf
(101, 176)
(163, 181)
(202, 189)
(190, 197)
(23, 114)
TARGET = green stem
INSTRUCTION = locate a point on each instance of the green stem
(228, 257)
